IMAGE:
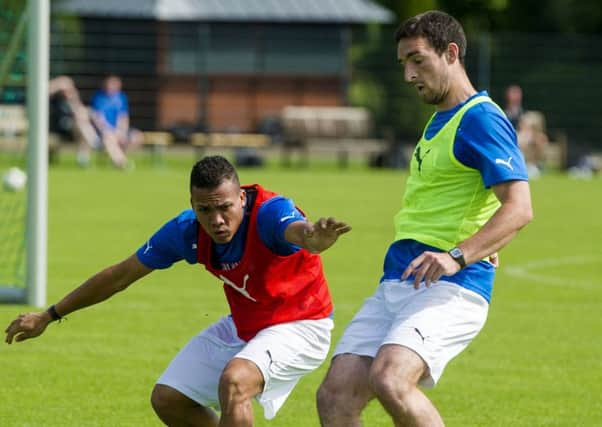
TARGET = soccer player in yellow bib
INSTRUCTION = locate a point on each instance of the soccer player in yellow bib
(466, 197)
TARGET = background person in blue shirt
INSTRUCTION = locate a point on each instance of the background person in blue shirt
(110, 112)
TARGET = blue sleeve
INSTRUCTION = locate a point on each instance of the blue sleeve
(273, 218)
(486, 141)
(125, 107)
(175, 241)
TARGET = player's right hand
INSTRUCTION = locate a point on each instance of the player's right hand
(323, 233)
(28, 325)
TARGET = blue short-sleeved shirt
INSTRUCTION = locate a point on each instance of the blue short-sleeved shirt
(110, 106)
(177, 239)
(485, 141)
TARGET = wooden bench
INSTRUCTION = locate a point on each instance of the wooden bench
(344, 130)
(556, 152)
(596, 162)
(13, 132)
(202, 141)
(13, 127)
(157, 143)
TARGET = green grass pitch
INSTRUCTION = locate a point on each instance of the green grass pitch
(536, 363)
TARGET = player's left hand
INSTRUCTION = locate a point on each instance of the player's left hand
(429, 267)
(322, 234)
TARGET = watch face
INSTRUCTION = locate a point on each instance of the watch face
(456, 252)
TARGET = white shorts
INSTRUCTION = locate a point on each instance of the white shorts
(284, 353)
(436, 322)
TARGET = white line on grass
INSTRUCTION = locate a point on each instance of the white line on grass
(529, 269)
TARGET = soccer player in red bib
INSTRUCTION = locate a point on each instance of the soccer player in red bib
(265, 252)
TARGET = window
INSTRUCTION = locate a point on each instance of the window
(221, 48)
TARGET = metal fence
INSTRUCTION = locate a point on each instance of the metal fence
(560, 75)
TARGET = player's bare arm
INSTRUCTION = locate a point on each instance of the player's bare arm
(96, 289)
(318, 236)
(514, 213)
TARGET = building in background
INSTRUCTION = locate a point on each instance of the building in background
(224, 65)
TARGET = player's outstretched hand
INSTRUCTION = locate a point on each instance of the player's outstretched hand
(28, 325)
(322, 234)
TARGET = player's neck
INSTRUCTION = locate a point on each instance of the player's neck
(459, 91)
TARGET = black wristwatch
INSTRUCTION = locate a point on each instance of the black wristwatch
(458, 256)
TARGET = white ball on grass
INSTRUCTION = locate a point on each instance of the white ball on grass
(14, 179)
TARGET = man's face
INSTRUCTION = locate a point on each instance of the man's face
(424, 68)
(219, 210)
(514, 95)
(112, 85)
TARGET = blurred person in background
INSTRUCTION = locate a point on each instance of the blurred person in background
(111, 116)
(514, 104)
(69, 118)
(533, 141)
(466, 197)
(265, 252)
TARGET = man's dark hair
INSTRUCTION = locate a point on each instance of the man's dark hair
(211, 171)
(438, 28)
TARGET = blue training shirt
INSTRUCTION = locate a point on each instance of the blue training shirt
(485, 141)
(177, 239)
(110, 106)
